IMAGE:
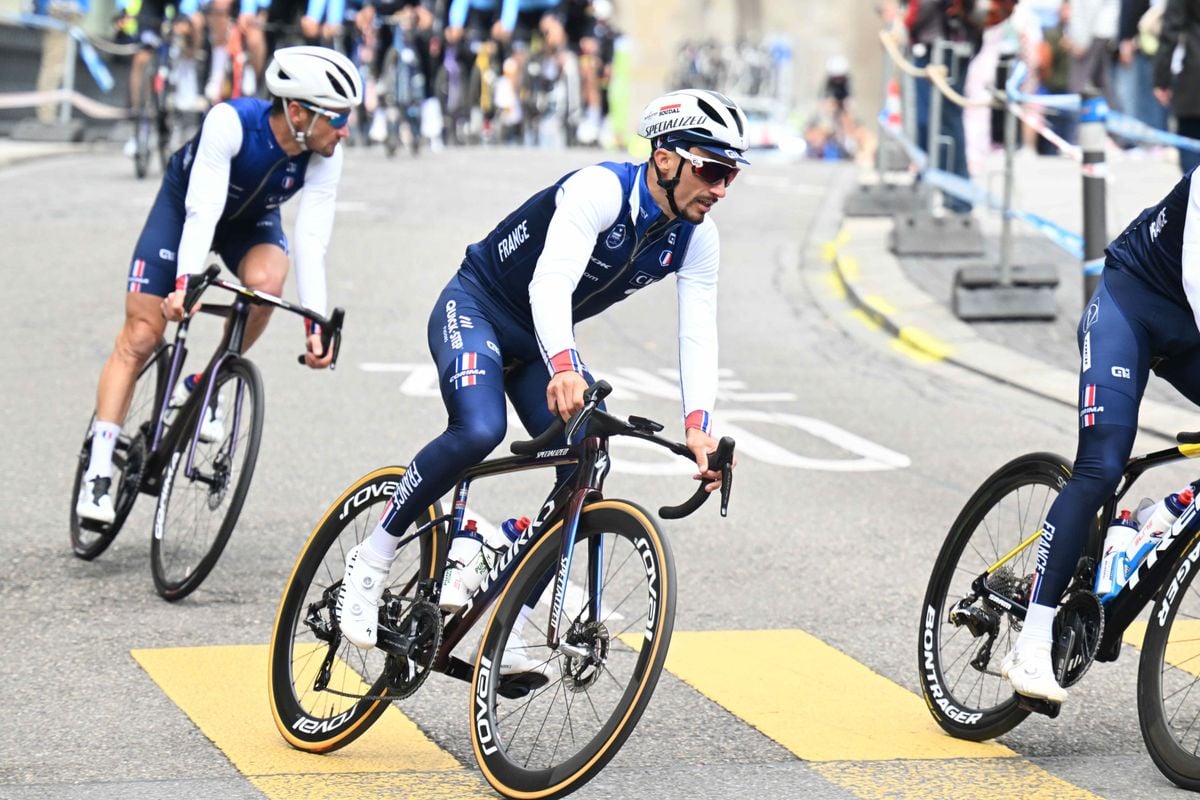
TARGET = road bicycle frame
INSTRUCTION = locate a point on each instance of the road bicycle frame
(565, 503)
(163, 437)
(1150, 576)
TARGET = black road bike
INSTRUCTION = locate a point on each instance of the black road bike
(979, 591)
(156, 121)
(601, 633)
(197, 459)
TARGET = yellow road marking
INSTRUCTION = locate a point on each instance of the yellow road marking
(224, 692)
(966, 779)
(1183, 649)
(933, 348)
(826, 707)
(814, 700)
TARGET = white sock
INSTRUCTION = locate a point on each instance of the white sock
(104, 439)
(382, 544)
(1039, 626)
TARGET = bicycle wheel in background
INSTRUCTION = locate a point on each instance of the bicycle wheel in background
(965, 636)
(550, 739)
(164, 121)
(143, 125)
(196, 514)
(90, 539)
(324, 691)
(1168, 679)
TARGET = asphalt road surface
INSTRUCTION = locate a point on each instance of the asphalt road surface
(793, 671)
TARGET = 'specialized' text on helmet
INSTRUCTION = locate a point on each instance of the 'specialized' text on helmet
(697, 118)
(317, 75)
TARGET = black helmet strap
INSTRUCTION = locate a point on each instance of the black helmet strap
(668, 185)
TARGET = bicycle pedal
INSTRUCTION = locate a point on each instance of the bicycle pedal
(517, 686)
(1036, 706)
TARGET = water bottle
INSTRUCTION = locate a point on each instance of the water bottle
(464, 569)
(1110, 577)
(512, 530)
(1152, 531)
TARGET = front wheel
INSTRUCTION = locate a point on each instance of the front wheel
(964, 634)
(324, 691)
(1168, 678)
(197, 510)
(590, 692)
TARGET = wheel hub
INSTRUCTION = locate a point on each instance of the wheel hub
(580, 673)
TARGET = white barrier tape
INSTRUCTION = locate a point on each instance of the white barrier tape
(83, 103)
(1072, 151)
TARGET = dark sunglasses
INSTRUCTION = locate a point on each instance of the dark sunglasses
(709, 170)
(335, 119)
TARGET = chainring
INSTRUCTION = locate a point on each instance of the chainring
(1078, 629)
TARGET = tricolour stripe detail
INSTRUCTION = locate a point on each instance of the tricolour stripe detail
(567, 361)
(700, 420)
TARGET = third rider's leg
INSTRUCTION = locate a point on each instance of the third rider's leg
(1114, 369)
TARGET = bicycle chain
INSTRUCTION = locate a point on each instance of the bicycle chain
(428, 608)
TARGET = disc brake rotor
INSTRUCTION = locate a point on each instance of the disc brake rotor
(580, 674)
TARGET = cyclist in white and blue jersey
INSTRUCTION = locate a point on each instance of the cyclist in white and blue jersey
(1144, 315)
(505, 322)
(222, 192)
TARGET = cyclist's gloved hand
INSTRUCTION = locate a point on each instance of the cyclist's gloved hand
(172, 306)
(564, 394)
(315, 356)
(701, 444)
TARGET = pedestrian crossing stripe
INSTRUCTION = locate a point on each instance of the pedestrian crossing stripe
(224, 692)
(860, 731)
(868, 735)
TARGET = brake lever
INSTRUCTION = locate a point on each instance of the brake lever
(726, 487)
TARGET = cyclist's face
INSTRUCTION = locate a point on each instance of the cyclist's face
(694, 195)
(324, 137)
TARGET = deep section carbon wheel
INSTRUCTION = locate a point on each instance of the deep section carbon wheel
(544, 722)
(324, 691)
(964, 631)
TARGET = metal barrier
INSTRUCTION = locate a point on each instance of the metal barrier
(78, 47)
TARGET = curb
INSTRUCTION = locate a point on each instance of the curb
(14, 153)
(876, 286)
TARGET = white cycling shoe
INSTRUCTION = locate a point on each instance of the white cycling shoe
(521, 658)
(95, 501)
(1031, 673)
(212, 429)
(359, 596)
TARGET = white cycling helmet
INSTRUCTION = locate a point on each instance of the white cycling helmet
(696, 118)
(317, 75)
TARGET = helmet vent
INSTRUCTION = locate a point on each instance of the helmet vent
(333, 82)
(709, 110)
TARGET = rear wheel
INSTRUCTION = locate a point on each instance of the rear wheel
(196, 513)
(550, 730)
(1169, 677)
(90, 539)
(324, 691)
(964, 635)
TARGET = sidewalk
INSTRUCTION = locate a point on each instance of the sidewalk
(910, 297)
(15, 152)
